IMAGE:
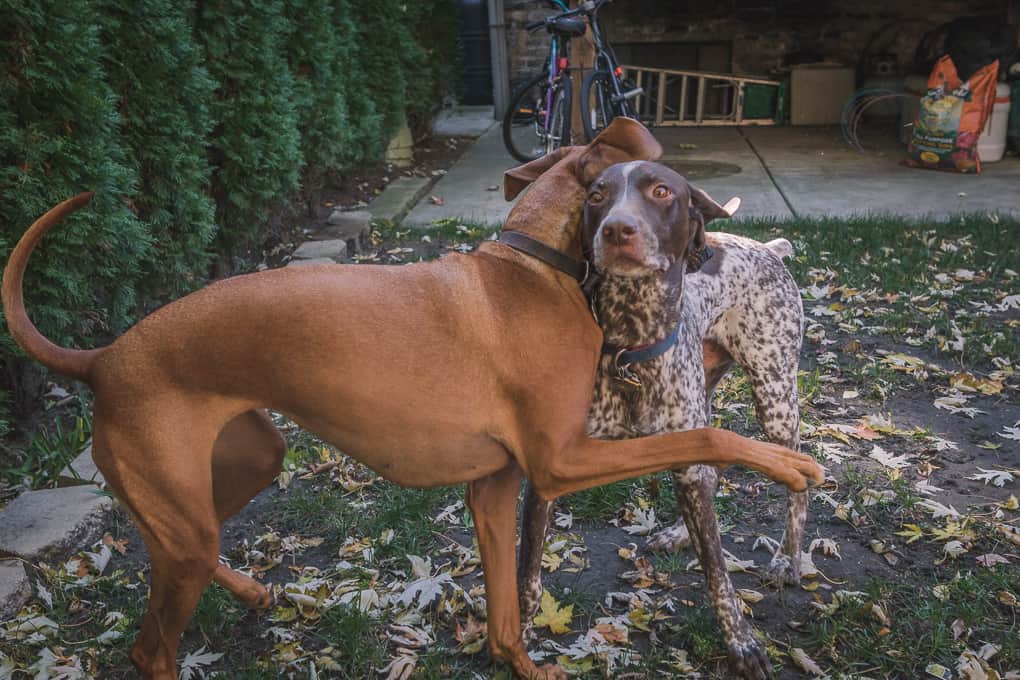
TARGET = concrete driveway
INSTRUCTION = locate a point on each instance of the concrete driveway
(777, 172)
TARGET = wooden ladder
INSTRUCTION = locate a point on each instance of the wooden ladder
(658, 81)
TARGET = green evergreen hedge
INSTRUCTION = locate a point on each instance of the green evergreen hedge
(193, 122)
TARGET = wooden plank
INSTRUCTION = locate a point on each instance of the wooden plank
(717, 122)
(683, 98)
(638, 101)
(699, 109)
(738, 104)
(715, 76)
(660, 102)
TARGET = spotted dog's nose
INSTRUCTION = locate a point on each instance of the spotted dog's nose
(618, 231)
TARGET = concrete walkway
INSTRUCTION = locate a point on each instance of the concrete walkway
(777, 172)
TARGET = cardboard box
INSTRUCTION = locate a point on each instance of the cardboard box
(818, 93)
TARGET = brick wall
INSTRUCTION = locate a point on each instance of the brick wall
(763, 38)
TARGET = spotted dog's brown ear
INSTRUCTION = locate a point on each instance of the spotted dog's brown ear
(704, 209)
(625, 139)
(516, 179)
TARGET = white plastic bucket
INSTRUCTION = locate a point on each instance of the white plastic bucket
(992, 142)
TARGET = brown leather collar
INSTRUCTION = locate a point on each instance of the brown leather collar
(578, 269)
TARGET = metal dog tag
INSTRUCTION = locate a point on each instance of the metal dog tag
(627, 376)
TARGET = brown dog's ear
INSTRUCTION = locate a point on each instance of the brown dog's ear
(625, 139)
(516, 179)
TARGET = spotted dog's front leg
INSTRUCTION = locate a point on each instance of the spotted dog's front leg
(784, 568)
(695, 489)
(534, 527)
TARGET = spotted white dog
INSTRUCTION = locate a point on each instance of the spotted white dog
(670, 336)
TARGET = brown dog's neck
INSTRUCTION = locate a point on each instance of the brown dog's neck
(550, 211)
(637, 310)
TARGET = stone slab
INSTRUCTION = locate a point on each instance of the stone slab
(15, 587)
(398, 197)
(719, 161)
(350, 225)
(333, 249)
(463, 121)
(314, 260)
(822, 176)
(82, 470)
(347, 222)
(50, 523)
(467, 187)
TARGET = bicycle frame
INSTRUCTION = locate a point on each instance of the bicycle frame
(605, 58)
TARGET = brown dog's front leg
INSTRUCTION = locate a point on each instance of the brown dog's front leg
(534, 528)
(585, 463)
(493, 504)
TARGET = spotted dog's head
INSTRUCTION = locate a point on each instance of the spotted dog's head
(642, 217)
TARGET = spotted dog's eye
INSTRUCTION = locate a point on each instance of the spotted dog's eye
(595, 197)
(662, 191)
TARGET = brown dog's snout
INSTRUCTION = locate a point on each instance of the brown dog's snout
(618, 231)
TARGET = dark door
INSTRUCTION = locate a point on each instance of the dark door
(476, 59)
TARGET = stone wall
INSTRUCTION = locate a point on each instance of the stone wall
(763, 36)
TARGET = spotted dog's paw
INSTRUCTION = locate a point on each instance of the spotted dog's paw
(781, 571)
(671, 540)
(748, 659)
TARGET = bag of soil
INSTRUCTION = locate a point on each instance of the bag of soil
(951, 118)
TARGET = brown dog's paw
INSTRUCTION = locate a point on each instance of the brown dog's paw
(550, 671)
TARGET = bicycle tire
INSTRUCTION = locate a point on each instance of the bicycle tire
(520, 114)
(560, 113)
(596, 118)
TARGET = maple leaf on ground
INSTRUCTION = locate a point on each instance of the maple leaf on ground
(989, 560)
(401, 667)
(552, 616)
(1011, 432)
(828, 547)
(911, 532)
(938, 509)
(889, 460)
(644, 522)
(997, 477)
(191, 666)
(805, 662)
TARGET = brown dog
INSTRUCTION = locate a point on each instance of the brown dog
(475, 369)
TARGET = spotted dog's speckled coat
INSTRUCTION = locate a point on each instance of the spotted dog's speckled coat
(741, 306)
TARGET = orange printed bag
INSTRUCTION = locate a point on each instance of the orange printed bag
(951, 118)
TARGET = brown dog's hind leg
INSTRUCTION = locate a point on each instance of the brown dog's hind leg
(493, 504)
(163, 477)
(247, 456)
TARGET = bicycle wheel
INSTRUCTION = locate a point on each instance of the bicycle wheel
(559, 113)
(597, 109)
(524, 133)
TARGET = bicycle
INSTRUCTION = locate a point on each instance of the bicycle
(604, 93)
(537, 122)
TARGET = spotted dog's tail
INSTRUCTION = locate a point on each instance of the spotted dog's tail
(780, 247)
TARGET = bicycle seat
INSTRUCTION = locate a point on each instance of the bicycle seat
(567, 26)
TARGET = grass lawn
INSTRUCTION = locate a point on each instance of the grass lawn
(910, 396)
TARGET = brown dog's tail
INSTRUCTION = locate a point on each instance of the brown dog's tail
(72, 363)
